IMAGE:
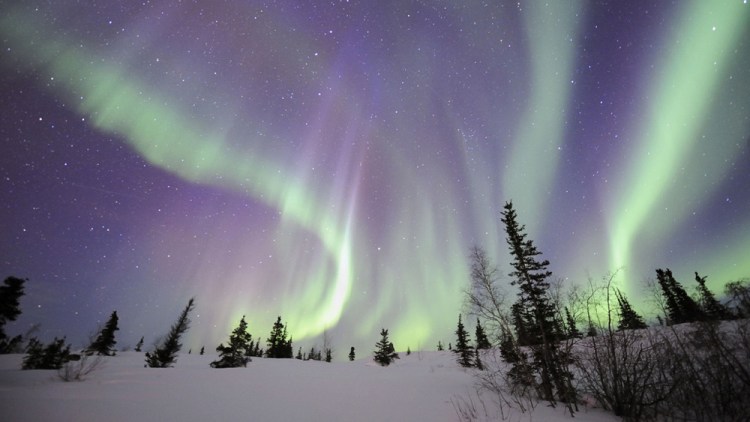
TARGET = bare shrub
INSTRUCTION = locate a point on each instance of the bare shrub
(710, 369)
(626, 372)
(78, 370)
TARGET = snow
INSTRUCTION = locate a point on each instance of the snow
(421, 387)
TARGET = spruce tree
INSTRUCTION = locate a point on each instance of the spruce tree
(329, 355)
(463, 350)
(203, 350)
(572, 329)
(385, 352)
(440, 346)
(236, 352)
(105, 341)
(352, 356)
(481, 337)
(10, 293)
(278, 345)
(544, 330)
(139, 345)
(629, 319)
(165, 354)
(712, 308)
(408, 350)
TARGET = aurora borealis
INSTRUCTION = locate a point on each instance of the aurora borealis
(333, 162)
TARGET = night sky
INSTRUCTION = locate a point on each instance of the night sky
(333, 162)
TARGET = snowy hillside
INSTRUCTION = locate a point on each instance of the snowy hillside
(419, 387)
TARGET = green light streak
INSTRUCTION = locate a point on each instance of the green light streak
(530, 170)
(682, 91)
(166, 137)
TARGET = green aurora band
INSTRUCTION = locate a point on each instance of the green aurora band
(657, 188)
(117, 103)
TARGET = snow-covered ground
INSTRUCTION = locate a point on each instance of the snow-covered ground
(419, 387)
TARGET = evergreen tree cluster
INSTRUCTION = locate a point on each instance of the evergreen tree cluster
(680, 306)
(279, 347)
(52, 356)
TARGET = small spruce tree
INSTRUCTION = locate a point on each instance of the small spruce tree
(384, 352)
(236, 352)
(481, 337)
(463, 349)
(440, 346)
(105, 341)
(629, 319)
(203, 350)
(139, 345)
(712, 308)
(352, 355)
(165, 354)
(329, 355)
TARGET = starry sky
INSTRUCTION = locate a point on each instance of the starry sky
(333, 162)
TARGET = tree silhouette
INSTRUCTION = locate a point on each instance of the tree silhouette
(278, 345)
(105, 341)
(384, 352)
(537, 312)
(236, 352)
(463, 349)
(481, 337)
(629, 319)
(165, 354)
(10, 293)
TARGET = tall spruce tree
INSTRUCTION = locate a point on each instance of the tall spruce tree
(629, 319)
(538, 311)
(105, 341)
(712, 308)
(10, 293)
(463, 350)
(279, 347)
(165, 354)
(481, 337)
(237, 351)
(384, 351)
